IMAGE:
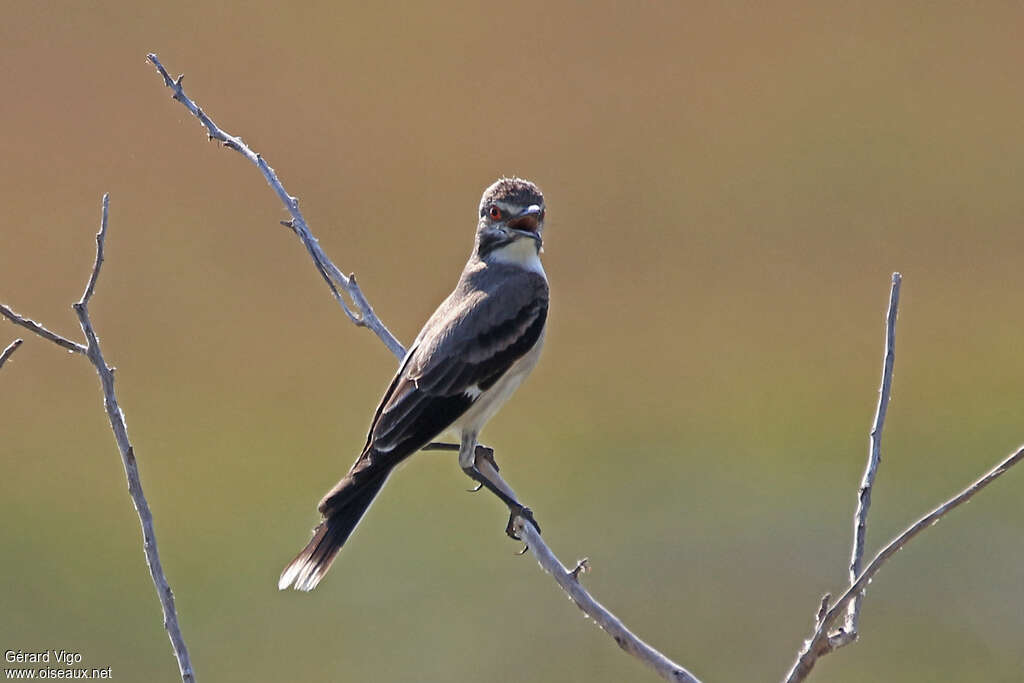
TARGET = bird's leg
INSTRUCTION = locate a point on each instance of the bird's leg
(478, 463)
(482, 452)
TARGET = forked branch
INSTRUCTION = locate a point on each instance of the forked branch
(116, 417)
(827, 639)
(819, 644)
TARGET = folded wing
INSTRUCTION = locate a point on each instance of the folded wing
(460, 354)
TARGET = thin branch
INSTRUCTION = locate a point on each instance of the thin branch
(860, 519)
(101, 238)
(117, 424)
(331, 274)
(131, 467)
(9, 351)
(40, 330)
(820, 643)
(568, 580)
(608, 621)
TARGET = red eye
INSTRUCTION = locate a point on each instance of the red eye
(495, 213)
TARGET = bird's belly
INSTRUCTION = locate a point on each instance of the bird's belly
(489, 402)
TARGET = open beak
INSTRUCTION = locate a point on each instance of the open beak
(527, 223)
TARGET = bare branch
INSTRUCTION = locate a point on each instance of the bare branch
(117, 424)
(860, 519)
(330, 273)
(131, 468)
(820, 643)
(568, 581)
(86, 295)
(101, 238)
(608, 621)
(9, 351)
(40, 330)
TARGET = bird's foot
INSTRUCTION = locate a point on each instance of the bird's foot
(527, 515)
(487, 453)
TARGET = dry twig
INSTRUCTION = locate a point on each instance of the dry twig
(824, 640)
(820, 643)
(38, 329)
(116, 417)
(568, 581)
(330, 272)
(9, 351)
(860, 519)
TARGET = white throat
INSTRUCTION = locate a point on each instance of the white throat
(521, 252)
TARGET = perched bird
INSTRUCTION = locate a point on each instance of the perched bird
(468, 359)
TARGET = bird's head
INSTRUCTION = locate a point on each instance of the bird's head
(511, 215)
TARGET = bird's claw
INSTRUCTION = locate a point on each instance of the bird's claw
(527, 515)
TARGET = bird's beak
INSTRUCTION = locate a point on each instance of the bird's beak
(527, 223)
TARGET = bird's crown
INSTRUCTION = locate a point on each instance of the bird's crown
(511, 191)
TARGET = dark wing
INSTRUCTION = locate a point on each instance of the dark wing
(465, 347)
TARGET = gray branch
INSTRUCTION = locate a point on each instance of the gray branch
(9, 351)
(40, 330)
(117, 424)
(568, 581)
(629, 642)
(825, 640)
(860, 520)
(101, 240)
(820, 642)
(330, 273)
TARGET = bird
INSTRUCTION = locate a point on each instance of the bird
(465, 363)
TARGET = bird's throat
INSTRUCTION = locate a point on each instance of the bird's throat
(521, 252)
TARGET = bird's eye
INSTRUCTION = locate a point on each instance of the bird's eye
(495, 213)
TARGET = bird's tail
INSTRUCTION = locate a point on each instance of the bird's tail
(342, 508)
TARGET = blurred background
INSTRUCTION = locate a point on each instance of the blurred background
(729, 191)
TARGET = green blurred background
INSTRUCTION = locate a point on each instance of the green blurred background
(729, 190)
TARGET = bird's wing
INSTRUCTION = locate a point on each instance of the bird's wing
(465, 347)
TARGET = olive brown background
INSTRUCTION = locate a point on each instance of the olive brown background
(729, 187)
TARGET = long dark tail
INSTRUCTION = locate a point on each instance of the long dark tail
(342, 508)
